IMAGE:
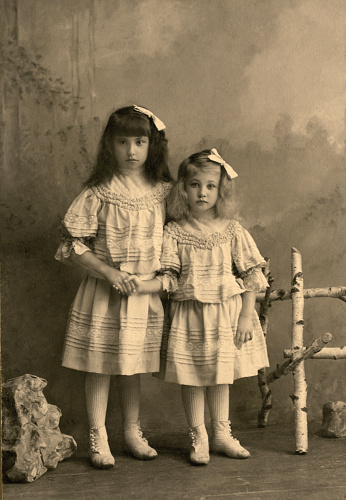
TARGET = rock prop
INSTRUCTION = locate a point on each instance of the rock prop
(334, 419)
(31, 439)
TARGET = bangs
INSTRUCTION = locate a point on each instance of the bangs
(191, 170)
(132, 126)
(203, 165)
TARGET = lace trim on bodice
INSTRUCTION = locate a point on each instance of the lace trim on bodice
(213, 240)
(154, 197)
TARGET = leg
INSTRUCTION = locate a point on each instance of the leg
(218, 402)
(96, 393)
(133, 440)
(129, 394)
(193, 401)
(222, 439)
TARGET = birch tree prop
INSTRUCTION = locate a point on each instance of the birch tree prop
(297, 353)
(300, 388)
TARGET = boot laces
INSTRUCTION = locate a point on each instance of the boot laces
(94, 445)
(95, 441)
(193, 437)
(230, 433)
(139, 433)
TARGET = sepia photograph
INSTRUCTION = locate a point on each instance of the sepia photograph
(173, 249)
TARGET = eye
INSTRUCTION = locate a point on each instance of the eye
(141, 141)
(211, 186)
(193, 184)
(120, 140)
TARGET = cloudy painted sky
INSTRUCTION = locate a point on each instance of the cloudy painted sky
(228, 68)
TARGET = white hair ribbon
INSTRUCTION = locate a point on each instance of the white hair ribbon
(215, 156)
(157, 122)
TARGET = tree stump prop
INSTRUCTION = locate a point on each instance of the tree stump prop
(334, 419)
(31, 439)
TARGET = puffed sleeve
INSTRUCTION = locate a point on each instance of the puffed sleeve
(248, 261)
(79, 225)
(170, 263)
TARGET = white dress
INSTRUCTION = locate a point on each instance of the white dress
(205, 277)
(122, 223)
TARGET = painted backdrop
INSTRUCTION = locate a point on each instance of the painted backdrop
(264, 82)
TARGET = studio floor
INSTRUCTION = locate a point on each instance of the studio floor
(273, 471)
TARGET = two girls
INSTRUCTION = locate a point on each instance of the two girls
(210, 267)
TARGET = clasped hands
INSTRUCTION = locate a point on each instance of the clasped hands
(126, 284)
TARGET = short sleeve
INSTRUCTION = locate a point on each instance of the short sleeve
(248, 261)
(79, 226)
(170, 258)
(81, 218)
(170, 263)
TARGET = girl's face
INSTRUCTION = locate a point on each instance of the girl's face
(131, 152)
(202, 189)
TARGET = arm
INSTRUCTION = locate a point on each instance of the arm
(118, 279)
(245, 327)
(149, 286)
(248, 262)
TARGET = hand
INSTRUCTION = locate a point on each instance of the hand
(244, 330)
(120, 281)
(138, 285)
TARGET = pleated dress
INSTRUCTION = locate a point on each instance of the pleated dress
(206, 277)
(122, 223)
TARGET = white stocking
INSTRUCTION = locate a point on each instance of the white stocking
(96, 394)
(193, 401)
(218, 402)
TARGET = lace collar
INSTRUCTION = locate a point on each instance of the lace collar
(210, 241)
(153, 197)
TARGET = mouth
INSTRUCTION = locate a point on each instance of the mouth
(202, 201)
(131, 160)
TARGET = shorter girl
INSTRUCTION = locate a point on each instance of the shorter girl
(212, 270)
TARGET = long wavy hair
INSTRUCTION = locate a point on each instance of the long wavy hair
(177, 205)
(126, 122)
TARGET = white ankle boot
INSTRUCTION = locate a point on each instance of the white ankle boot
(135, 444)
(199, 454)
(99, 452)
(223, 441)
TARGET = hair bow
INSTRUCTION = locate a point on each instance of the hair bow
(215, 156)
(157, 122)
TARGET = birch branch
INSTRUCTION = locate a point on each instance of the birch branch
(308, 293)
(265, 302)
(266, 393)
(300, 355)
(325, 353)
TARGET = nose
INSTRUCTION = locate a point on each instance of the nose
(131, 150)
(202, 192)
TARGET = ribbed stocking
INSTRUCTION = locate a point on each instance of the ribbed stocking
(218, 402)
(96, 394)
(193, 401)
(129, 396)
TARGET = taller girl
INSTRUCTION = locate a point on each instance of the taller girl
(114, 229)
